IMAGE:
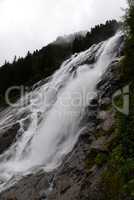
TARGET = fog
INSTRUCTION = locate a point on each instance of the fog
(31, 24)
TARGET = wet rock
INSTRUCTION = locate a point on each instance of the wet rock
(107, 119)
(43, 196)
(32, 187)
(110, 81)
(8, 137)
(100, 144)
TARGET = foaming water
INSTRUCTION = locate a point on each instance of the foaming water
(51, 123)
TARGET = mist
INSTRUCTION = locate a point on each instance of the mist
(31, 24)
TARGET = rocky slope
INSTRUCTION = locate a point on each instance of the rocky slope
(81, 176)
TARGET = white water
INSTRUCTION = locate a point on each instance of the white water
(55, 112)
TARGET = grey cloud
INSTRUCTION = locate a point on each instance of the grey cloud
(30, 24)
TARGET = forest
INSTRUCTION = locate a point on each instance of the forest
(42, 63)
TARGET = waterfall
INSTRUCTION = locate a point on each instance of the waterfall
(50, 123)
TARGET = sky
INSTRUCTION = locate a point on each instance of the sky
(27, 25)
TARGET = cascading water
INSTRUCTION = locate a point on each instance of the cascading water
(50, 123)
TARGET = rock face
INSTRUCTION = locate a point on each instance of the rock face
(7, 137)
(79, 177)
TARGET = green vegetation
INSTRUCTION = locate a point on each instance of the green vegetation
(118, 101)
(90, 161)
(118, 179)
(100, 159)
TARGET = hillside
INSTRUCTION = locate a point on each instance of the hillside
(99, 164)
(42, 63)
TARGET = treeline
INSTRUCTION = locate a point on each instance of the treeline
(97, 34)
(43, 63)
(32, 68)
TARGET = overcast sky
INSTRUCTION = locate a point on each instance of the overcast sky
(31, 24)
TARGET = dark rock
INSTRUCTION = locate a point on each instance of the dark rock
(31, 187)
(8, 137)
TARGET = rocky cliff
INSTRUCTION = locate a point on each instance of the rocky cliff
(83, 174)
